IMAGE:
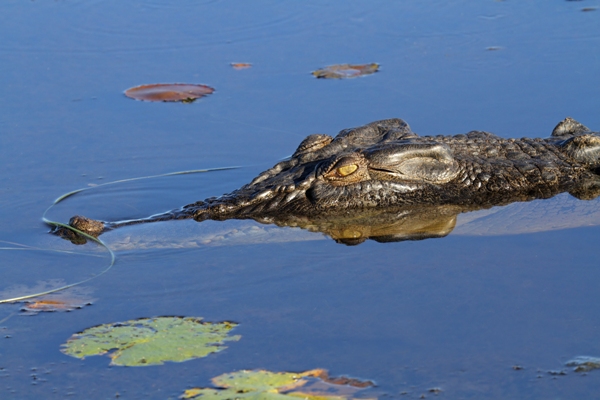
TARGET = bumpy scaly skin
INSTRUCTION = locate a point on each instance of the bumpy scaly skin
(385, 165)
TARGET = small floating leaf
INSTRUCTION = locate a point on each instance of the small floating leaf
(241, 65)
(48, 305)
(340, 71)
(184, 92)
(315, 384)
(151, 341)
(66, 300)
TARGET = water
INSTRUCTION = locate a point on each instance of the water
(456, 313)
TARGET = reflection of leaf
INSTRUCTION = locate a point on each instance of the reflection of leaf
(169, 92)
(340, 71)
(241, 65)
(314, 384)
(151, 341)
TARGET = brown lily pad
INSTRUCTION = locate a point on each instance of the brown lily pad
(240, 65)
(65, 301)
(184, 92)
(49, 305)
(342, 71)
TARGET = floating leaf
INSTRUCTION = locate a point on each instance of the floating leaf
(151, 341)
(314, 384)
(584, 363)
(230, 394)
(184, 92)
(262, 380)
(48, 305)
(340, 71)
(66, 300)
(241, 65)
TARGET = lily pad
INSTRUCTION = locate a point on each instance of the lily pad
(185, 92)
(241, 65)
(262, 380)
(341, 71)
(151, 341)
(229, 394)
(67, 300)
(70, 299)
(260, 384)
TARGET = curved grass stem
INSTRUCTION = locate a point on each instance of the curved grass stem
(92, 238)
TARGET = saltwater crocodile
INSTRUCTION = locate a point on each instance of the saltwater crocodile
(384, 169)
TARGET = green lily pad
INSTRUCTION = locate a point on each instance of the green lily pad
(314, 385)
(228, 394)
(260, 380)
(151, 341)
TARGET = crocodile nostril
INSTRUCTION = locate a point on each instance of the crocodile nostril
(87, 225)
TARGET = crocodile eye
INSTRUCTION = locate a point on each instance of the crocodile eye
(347, 169)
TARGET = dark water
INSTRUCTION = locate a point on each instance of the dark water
(455, 313)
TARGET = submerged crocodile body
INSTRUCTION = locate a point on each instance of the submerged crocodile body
(384, 167)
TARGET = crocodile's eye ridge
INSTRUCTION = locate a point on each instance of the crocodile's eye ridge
(347, 169)
(312, 143)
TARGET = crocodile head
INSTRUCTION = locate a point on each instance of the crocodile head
(384, 164)
(374, 165)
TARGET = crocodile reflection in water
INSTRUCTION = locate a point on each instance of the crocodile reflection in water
(383, 174)
(560, 212)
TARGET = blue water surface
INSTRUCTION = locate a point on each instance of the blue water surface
(459, 313)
